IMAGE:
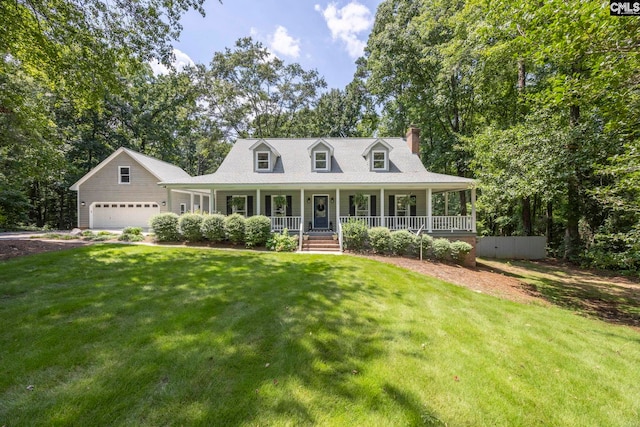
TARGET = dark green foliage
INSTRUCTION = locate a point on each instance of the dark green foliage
(14, 207)
(257, 231)
(234, 226)
(190, 227)
(380, 239)
(213, 227)
(282, 242)
(355, 233)
(403, 242)
(165, 227)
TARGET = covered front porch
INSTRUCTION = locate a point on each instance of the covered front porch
(432, 210)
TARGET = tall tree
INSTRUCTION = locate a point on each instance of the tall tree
(254, 94)
(83, 45)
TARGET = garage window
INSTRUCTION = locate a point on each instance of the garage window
(124, 175)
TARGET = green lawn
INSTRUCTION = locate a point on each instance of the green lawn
(137, 335)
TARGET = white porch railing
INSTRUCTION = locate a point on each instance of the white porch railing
(371, 221)
(438, 223)
(279, 223)
(452, 223)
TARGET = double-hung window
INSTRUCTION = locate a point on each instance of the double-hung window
(239, 205)
(379, 161)
(402, 205)
(363, 209)
(263, 161)
(321, 160)
(124, 175)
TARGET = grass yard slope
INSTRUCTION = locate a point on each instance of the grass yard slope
(136, 335)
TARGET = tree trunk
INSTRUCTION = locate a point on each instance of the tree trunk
(572, 234)
(522, 83)
(549, 222)
(463, 203)
(61, 212)
(526, 216)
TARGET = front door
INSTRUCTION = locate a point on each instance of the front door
(320, 212)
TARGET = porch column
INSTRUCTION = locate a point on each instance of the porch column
(212, 195)
(191, 200)
(215, 200)
(201, 207)
(429, 211)
(382, 221)
(169, 200)
(473, 209)
(258, 201)
(337, 208)
(302, 209)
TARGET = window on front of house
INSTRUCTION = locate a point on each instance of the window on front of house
(363, 209)
(379, 160)
(321, 160)
(263, 161)
(124, 175)
(402, 205)
(279, 203)
(239, 205)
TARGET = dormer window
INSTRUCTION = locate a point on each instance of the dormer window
(264, 156)
(321, 153)
(263, 161)
(321, 160)
(379, 161)
(377, 154)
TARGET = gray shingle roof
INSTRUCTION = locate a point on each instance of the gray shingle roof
(348, 166)
(163, 170)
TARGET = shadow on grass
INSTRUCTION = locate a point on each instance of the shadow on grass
(150, 336)
(587, 293)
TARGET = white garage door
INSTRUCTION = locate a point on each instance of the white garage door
(122, 214)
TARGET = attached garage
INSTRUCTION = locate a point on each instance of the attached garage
(122, 214)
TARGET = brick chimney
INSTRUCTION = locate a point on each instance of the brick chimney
(413, 140)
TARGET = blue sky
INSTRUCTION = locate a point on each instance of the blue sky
(318, 34)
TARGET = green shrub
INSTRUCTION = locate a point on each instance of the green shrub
(87, 233)
(427, 243)
(129, 237)
(380, 239)
(354, 233)
(257, 230)
(282, 242)
(460, 249)
(132, 230)
(441, 248)
(165, 227)
(102, 237)
(213, 227)
(403, 242)
(131, 234)
(234, 227)
(190, 226)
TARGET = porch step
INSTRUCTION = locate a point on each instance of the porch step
(320, 244)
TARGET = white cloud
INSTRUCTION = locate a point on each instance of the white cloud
(346, 23)
(281, 42)
(181, 61)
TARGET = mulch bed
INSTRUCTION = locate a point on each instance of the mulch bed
(16, 248)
